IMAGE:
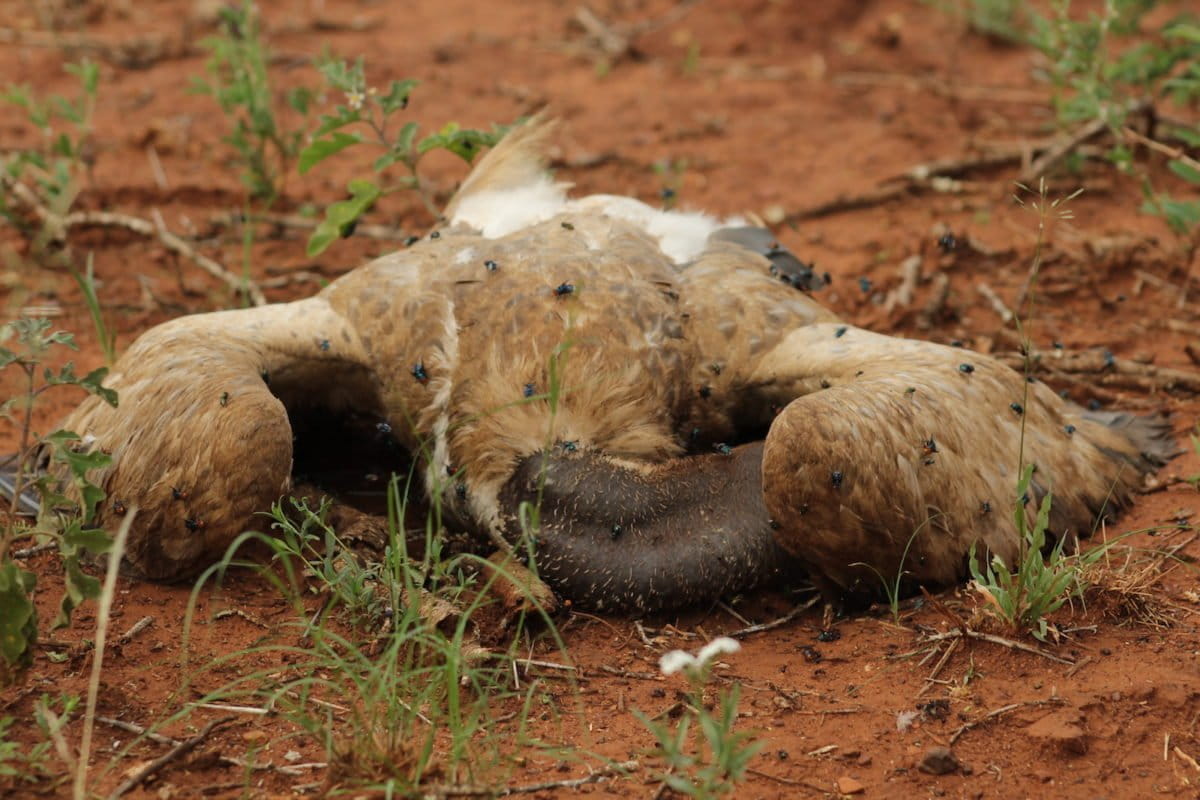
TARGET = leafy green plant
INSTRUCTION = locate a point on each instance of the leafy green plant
(405, 695)
(238, 81)
(41, 183)
(1104, 67)
(73, 527)
(1000, 19)
(891, 589)
(1022, 595)
(367, 118)
(24, 764)
(715, 759)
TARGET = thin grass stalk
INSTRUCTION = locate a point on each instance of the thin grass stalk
(103, 617)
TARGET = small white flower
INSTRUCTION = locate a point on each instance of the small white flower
(717, 647)
(355, 99)
(676, 660)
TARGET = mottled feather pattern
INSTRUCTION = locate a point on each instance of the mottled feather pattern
(907, 443)
(584, 351)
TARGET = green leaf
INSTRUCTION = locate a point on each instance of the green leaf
(77, 539)
(18, 621)
(78, 586)
(88, 73)
(464, 143)
(341, 216)
(1185, 171)
(397, 96)
(343, 75)
(403, 145)
(322, 149)
(300, 99)
(341, 118)
(1188, 31)
(91, 382)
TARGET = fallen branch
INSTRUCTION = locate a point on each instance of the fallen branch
(174, 754)
(55, 228)
(1059, 150)
(169, 240)
(1108, 370)
(131, 727)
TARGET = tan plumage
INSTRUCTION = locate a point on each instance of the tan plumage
(591, 353)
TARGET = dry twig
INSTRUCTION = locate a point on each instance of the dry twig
(1000, 640)
(174, 754)
(986, 717)
(784, 620)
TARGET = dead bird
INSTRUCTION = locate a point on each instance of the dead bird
(690, 420)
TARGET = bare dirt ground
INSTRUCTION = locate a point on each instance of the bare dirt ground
(783, 109)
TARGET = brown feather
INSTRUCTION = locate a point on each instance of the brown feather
(572, 359)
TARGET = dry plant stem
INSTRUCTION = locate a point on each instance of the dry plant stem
(103, 617)
(1080, 664)
(989, 294)
(1167, 150)
(1000, 640)
(174, 754)
(1184, 757)
(852, 202)
(721, 604)
(624, 673)
(1059, 150)
(27, 552)
(54, 725)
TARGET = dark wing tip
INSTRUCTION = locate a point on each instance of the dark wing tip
(784, 264)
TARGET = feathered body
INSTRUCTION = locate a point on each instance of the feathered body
(585, 353)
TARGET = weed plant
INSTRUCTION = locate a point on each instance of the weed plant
(239, 82)
(53, 173)
(386, 672)
(706, 757)
(69, 509)
(368, 118)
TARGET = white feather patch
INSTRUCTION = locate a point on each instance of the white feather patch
(681, 235)
(500, 212)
